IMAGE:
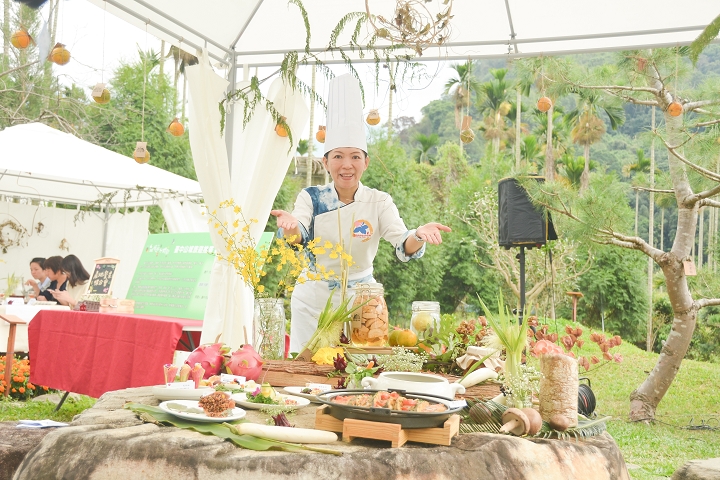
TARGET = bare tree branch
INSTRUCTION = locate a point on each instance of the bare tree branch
(2, 74)
(708, 193)
(627, 98)
(700, 103)
(703, 171)
(636, 243)
(705, 124)
(656, 190)
(707, 302)
(706, 202)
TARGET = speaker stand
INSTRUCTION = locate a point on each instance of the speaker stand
(521, 256)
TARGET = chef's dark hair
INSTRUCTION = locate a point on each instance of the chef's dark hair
(326, 153)
(39, 260)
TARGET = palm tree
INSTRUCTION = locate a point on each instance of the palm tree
(530, 149)
(589, 127)
(495, 104)
(573, 168)
(554, 122)
(427, 143)
(302, 147)
(182, 59)
(641, 165)
(461, 87)
(664, 202)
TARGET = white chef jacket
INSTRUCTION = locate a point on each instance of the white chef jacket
(372, 215)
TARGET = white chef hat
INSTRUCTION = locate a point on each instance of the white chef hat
(345, 125)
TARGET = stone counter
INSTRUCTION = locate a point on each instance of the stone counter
(108, 442)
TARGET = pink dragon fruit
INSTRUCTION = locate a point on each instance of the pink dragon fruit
(210, 357)
(245, 362)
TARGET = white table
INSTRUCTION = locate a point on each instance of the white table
(27, 313)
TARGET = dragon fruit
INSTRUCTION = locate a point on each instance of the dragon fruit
(210, 357)
(245, 362)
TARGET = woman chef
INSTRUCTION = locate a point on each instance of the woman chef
(373, 212)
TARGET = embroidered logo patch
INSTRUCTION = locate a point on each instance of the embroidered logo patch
(362, 229)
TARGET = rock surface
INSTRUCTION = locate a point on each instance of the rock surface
(699, 470)
(108, 442)
(15, 443)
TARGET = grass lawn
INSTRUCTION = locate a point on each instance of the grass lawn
(656, 450)
(11, 410)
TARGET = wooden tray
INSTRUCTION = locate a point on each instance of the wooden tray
(289, 373)
(390, 432)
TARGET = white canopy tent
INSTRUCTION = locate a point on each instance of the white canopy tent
(259, 32)
(41, 163)
(41, 166)
(256, 33)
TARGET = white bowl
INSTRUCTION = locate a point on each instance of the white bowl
(163, 392)
(414, 383)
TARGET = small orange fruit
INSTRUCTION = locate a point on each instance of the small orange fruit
(176, 128)
(103, 98)
(373, 118)
(467, 135)
(144, 159)
(544, 104)
(60, 54)
(20, 39)
(675, 109)
(280, 129)
(320, 135)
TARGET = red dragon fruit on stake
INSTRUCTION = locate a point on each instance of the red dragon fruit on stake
(245, 362)
(210, 357)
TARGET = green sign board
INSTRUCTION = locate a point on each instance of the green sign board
(173, 275)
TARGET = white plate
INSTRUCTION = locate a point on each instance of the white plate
(237, 413)
(241, 399)
(163, 392)
(297, 391)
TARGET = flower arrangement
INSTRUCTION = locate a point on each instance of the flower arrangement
(20, 386)
(544, 343)
(289, 264)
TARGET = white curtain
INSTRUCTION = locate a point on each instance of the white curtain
(259, 162)
(183, 216)
(125, 240)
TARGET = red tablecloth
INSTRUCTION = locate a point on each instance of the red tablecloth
(93, 353)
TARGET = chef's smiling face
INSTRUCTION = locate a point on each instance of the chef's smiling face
(346, 166)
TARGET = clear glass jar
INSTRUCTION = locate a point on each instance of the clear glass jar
(425, 318)
(269, 328)
(369, 325)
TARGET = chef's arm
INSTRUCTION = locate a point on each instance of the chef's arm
(430, 233)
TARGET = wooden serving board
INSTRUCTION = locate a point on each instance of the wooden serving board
(391, 432)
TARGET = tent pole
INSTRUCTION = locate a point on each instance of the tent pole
(105, 229)
(229, 113)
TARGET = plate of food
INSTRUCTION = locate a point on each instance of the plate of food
(255, 402)
(210, 408)
(305, 392)
(165, 392)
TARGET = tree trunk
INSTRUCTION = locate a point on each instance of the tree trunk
(6, 34)
(637, 210)
(585, 176)
(651, 235)
(549, 159)
(645, 399)
(162, 58)
(518, 113)
(701, 238)
(662, 229)
(184, 100)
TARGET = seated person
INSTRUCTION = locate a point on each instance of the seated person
(58, 280)
(77, 281)
(37, 270)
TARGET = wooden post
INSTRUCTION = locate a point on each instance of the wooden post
(575, 296)
(14, 322)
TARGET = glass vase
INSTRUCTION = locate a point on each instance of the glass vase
(269, 328)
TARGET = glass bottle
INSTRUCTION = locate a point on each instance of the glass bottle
(369, 325)
(269, 328)
(425, 318)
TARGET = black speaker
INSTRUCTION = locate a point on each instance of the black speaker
(519, 221)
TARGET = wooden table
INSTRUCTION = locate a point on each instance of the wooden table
(93, 353)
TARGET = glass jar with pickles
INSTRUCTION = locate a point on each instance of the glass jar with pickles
(425, 318)
(369, 325)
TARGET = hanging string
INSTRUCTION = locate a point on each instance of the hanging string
(102, 71)
(142, 121)
(677, 66)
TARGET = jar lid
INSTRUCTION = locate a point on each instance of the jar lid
(425, 305)
(368, 286)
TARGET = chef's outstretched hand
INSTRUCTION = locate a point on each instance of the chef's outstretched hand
(430, 232)
(284, 220)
